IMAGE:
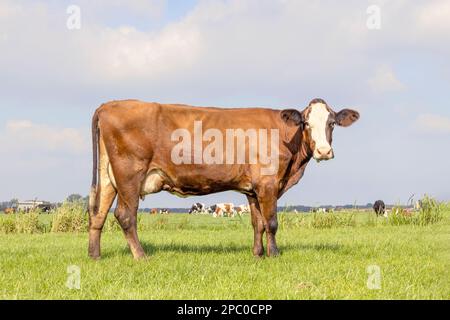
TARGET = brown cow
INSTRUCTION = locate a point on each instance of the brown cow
(224, 209)
(10, 210)
(142, 148)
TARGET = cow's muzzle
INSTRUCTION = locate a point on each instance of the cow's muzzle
(323, 154)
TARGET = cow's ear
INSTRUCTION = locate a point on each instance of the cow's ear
(292, 117)
(346, 117)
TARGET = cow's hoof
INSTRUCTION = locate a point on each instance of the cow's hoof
(258, 257)
(258, 252)
(95, 257)
(141, 257)
(273, 253)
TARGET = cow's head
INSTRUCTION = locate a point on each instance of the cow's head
(318, 121)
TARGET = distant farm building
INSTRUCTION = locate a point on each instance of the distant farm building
(29, 205)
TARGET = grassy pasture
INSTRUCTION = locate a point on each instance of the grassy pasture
(200, 257)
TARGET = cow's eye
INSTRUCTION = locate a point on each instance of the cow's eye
(333, 124)
(306, 124)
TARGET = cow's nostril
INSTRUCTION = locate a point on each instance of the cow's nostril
(324, 151)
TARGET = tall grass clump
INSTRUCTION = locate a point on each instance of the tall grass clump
(70, 217)
(323, 221)
(28, 223)
(430, 212)
(284, 220)
(289, 221)
(400, 216)
(331, 220)
(7, 225)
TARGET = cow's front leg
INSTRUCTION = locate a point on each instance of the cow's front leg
(267, 199)
(258, 227)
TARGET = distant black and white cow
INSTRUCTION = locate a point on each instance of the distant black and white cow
(198, 208)
(379, 207)
(212, 209)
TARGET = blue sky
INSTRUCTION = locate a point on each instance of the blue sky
(278, 54)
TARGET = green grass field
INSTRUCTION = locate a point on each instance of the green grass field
(200, 257)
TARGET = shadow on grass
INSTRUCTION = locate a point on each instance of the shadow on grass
(152, 249)
(334, 247)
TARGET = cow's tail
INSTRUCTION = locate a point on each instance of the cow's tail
(94, 185)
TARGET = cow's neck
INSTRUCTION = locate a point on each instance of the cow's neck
(300, 160)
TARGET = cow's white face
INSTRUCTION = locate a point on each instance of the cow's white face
(320, 121)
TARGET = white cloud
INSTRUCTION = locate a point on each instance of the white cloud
(34, 39)
(433, 123)
(294, 24)
(385, 80)
(433, 19)
(8, 9)
(26, 136)
(278, 44)
(126, 52)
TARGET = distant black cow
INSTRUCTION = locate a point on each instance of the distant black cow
(379, 207)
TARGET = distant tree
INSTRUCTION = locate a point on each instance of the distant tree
(13, 203)
(74, 198)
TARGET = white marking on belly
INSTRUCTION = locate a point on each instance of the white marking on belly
(109, 178)
(247, 186)
(153, 183)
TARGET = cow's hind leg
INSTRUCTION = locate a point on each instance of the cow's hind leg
(129, 184)
(126, 214)
(258, 226)
(102, 198)
(97, 217)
